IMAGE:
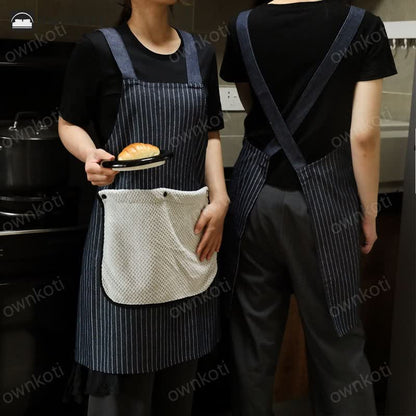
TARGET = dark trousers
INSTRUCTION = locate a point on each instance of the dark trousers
(166, 392)
(278, 257)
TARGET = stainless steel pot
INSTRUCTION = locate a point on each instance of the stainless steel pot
(32, 158)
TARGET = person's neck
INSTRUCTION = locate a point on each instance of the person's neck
(150, 21)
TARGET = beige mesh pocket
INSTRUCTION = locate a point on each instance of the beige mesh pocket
(149, 249)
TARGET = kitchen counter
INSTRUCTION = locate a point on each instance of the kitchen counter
(394, 136)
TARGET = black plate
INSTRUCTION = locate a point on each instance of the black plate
(126, 164)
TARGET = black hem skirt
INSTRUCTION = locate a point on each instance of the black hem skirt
(84, 382)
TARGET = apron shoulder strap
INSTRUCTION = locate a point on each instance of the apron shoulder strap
(119, 51)
(280, 129)
(284, 130)
(327, 68)
(191, 57)
(121, 56)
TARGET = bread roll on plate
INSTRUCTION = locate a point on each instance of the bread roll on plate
(136, 151)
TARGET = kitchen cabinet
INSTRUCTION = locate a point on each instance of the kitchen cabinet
(67, 21)
(39, 276)
(59, 19)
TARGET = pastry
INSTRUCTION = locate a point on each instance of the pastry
(138, 151)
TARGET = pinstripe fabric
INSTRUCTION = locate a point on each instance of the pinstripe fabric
(248, 178)
(251, 165)
(128, 340)
(328, 184)
(331, 194)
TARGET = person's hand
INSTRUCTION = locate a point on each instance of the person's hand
(211, 223)
(96, 174)
(369, 228)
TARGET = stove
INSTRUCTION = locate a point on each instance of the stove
(39, 210)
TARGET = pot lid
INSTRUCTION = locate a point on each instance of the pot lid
(29, 126)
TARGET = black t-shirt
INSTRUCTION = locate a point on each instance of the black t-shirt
(93, 82)
(290, 41)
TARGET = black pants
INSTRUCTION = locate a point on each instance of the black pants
(166, 392)
(278, 257)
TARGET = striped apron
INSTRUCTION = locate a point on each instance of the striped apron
(130, 339)
(328, 184)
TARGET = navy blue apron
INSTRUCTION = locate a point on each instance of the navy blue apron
(123, 339)
(328, 184)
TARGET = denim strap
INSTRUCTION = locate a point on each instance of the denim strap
(284, 130)
(119, 51)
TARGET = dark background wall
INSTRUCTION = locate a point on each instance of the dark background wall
(402, 385)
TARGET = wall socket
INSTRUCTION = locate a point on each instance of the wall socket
(230, 100)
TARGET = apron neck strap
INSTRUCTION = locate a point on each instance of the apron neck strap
(191, 57)
(284, 130)
(119, 51)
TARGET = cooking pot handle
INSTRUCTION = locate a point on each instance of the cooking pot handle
(24, 115)
(14, 214)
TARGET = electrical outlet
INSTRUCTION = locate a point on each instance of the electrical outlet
(230, 100)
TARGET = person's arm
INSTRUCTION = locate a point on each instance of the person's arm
(211, 221)
(245, 94)
(365, 147)
(78, 142)
(78, 98)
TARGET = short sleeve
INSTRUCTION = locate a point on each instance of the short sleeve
(80, 85)
(378, 61)
(233, 68)
(215, 115)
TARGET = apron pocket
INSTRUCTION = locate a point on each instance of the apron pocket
(149, 249)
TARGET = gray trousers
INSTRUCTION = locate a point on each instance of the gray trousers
(278, 257)
(166, 392)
